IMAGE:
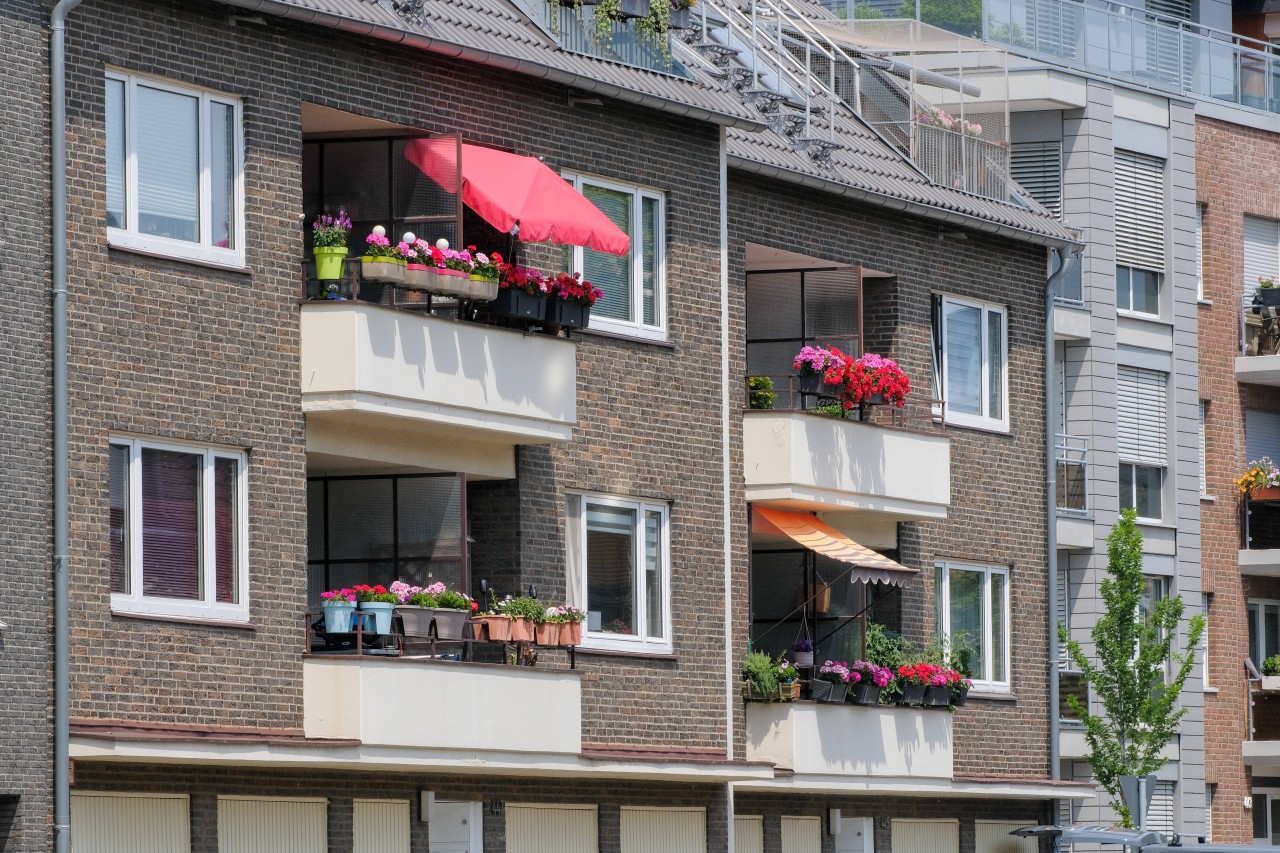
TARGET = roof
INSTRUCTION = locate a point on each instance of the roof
(494, 32)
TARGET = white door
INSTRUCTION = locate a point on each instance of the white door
(856, 835)
(456, 828)
(801, 835)
(926, 836)
(381, 826)
(154, 823)
(748, 834)
(272, 825)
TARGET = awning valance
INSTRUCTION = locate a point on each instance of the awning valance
(505, 189)
(817, 535)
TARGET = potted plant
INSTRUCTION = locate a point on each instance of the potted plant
(959, 689)
(339, 607)
(547, 631)
(378, 603)
(522, 293)
(329, 244)
(570, 620)
(831, 682)
(381, 261)
(914, 681)
(872, 680)
(681, 17)
(938, 693)
(484, 275)
(569, 300)
(525, 613)
(1261, 482)
(761, 395)
(814, 364)
(802, 651)
(419, 270)
(492, 624)
(1267, 294)
(453, 269)
(760, 677)
(875, 380)
(788, 680)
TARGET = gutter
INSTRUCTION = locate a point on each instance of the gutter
(61, 480)
(915, 208)
(483, 57)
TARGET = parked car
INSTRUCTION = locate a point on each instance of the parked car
(1145, 840)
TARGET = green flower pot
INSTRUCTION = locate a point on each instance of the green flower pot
(329, 261)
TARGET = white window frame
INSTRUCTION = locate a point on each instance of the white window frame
(1134, 312)
(626, 642)
(636, 328)
(204, 251)
(1133, 487)
(943, 569)
(965, 419)
(209, 607)
(1200, 211)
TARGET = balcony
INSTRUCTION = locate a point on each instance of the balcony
(431, 710)
(878, 745)
(1260, 535)
(404, 387)
(1260, 364)
(1262, 750)
(806, 460)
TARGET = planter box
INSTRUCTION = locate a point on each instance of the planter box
(329, 261)
(937, 697)
(633, 8)
(547, 633)
(377, 616)
(376, 269)
(419, 621)
(826, 691)
(865, 694)
(419, 277)
(810, 384)
(416, 620)
(681, 19)
(1268, 297)
(788, 691)
(338, 616)
(449, 622)
(750, 693)
(803, 658)
(521, 630)
(912, 694)
(482, 289)
(518, 305)
(959, 695)
(496, 629)
(571, 633)
(571, 315)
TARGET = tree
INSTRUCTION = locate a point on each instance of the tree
(1131, 679)
(962, 17)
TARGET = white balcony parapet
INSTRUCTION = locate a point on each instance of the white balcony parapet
(815, 462)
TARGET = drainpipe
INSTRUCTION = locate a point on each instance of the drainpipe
(728, 409)
(61, 539)
(1064, 258)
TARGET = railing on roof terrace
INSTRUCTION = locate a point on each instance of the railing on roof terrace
(1129, 43)
(961, 161)
(574, 28)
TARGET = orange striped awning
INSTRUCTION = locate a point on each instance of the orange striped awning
(818, 536)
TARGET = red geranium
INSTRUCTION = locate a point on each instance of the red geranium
(572, 288)
(528, 279)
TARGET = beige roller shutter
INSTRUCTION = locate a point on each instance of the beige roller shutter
(272, 825)
(107, 823)
(802, 835)
(1160, 814)
(1139, 187)
(992, 836)
(381, 826)
(668, 830)
(537, 828)
(926, 836)
(748, 834)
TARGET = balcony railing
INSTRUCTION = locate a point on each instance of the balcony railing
(1072, 455)
(961, 161)
(575, 30)
(1260, 524)
(799, 394)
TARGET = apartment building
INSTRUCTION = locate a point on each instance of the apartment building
(237, 447)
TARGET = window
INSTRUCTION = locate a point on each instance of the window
(634, 300)
(1037, 168)
(1141, 432)
(174, 170)
(619, 572)
(1140, 232)
(1261, 254)
(1204, 477)
(973, 614)
(1206, 607)
(969, 362)
(178, 530)
(1264, 630)
(1200, 208)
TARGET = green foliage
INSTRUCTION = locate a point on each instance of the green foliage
(1271, 666)
(1139, 706)
(834, 410)
(451, 600)
(963, 17)
(759, 670)
(889, 650)
(529, 608)
(762, 396)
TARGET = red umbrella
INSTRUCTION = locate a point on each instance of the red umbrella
(506, 189)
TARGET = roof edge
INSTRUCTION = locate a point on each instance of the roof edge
(532, 69)
(927, 211)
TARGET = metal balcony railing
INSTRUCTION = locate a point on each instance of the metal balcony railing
(1072, 455)
(1260, 524)
(573, 27)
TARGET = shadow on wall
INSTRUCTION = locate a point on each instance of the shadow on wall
(8, 814)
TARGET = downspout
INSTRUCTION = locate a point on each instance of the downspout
(727, 411)
(61, 539)
(1065, 259)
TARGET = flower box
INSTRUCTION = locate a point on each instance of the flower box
(788, 691)
(381, 269)
(937, 696)
(329, 261)
(567, 313)
(803, 658)
(416, 620)
(481, 289)
(811, 383)
(495, 628)
(912, 694)
(338, 616)
(571, 633)
(682, 19)
(518, 305)
(827, 691)
(865, 693)
(522, 630)
(547, 633)
(377, 616)
(420, 277)
(1271, 493)
(959, 695)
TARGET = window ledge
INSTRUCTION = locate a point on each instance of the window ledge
(185, 620)
(991, 430)
(992, 695)
(165, 256)
(1208, 499)
(1208, 690)
(635, 339)
(614, 653)
(1208, 303)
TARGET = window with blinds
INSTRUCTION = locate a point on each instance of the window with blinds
(633, 301)
(1139, 194)
(1261, 434)
(1037, 168)
(173, 170)
(1261, 254)
(1141, 439)
(1200, 251)
(178, 530)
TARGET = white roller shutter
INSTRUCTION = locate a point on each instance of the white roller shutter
(108, 823)
(926, 836)
(261, 825)
(538, 828)
(665, 829)
(992, 836)
(1208, 811)
(748, 834)
(1139, 211)
(801, 835)
(1062, 614)
(1037, 168)
(1261, 434)
(1261, 253)
(381, 826)
(1141, 416)
(1200, 251)
(1160, 814)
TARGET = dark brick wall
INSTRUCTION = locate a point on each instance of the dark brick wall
(1234, 166)
(997, 491)
(26, 567)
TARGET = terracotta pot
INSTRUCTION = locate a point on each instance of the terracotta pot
(548, 633)
(571, 634)
(1268, 494)
(497, 628)
(521, 630)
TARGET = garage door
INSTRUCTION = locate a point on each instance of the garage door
(536, 828)
(748, 834)
(272, 825)
(669, 830)
(801, 835)
(106, 823)
(992, 836)
(926, 836)
(381, 826)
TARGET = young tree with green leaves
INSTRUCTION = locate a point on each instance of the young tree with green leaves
(1131, 678)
